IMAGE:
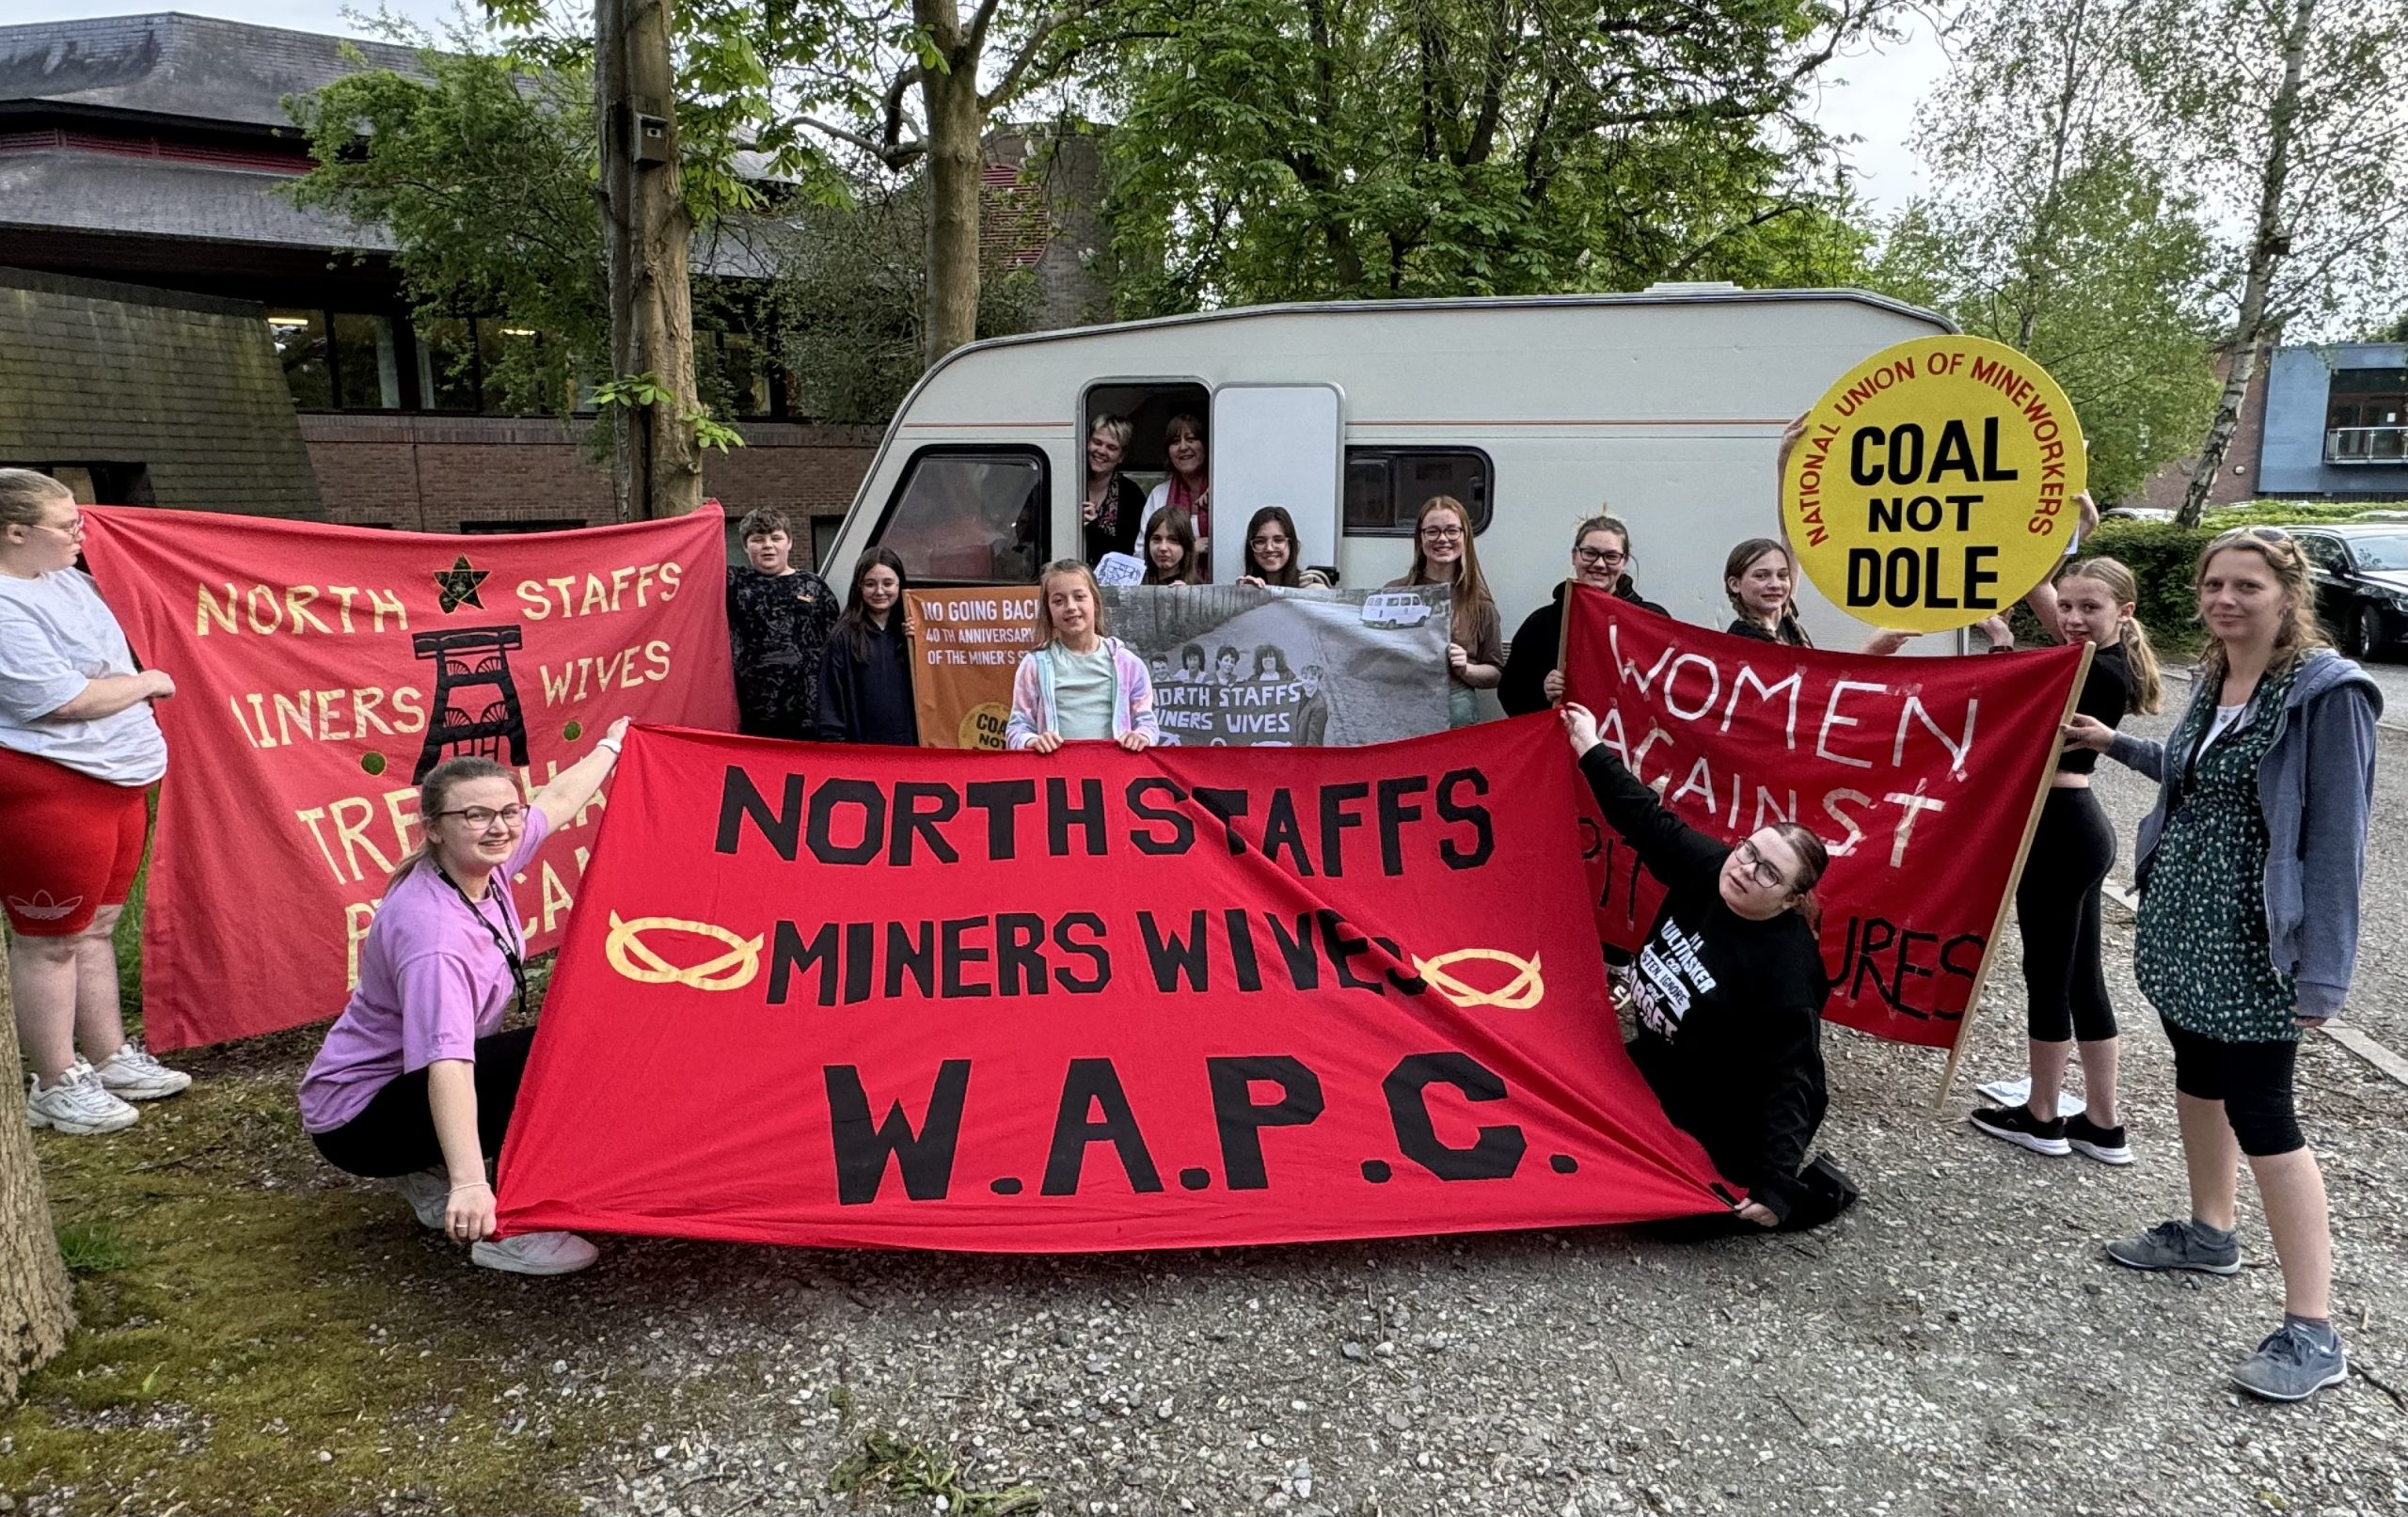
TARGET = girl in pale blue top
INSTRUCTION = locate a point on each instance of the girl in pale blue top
(1076, 683)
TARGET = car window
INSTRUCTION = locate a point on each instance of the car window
(2380, 555)
(969, 515)
(2324, 553)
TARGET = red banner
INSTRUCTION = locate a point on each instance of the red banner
(1097, 1000)
(319, 671)
(1921, 775)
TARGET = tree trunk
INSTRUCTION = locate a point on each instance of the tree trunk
(656, 463)
(36, 1311)
(955, 123)
(2267, 246)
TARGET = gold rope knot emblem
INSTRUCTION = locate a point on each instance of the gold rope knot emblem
(1525, 990)
(639, 961)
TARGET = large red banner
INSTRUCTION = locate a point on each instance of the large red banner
(1921, 775)
(1099, 1000)
(321, 671)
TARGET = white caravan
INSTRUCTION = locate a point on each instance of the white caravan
(1665, 407)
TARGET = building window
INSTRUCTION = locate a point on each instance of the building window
(736, 376)
(2365, 417)
(367, 370)
(300, 337)
(1386, 487)
(446, 364)
(99, 484)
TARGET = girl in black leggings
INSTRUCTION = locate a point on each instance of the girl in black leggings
(2056, 905)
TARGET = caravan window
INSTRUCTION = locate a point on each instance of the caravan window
(1386, 487)
(969, 515)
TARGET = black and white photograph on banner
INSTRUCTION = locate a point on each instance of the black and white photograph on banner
(1240, 666)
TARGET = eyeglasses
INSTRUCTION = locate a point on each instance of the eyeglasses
(1600, 555)
(481, 818)
(72, 527)
(1266, 541)
(1763, 868)
(2272, 536)
(1442, 532)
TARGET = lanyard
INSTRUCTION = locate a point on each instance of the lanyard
(509, 956)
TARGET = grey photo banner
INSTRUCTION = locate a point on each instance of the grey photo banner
(1240, 667)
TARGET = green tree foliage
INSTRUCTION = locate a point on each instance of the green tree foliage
(2111, 292)
(1270, 150)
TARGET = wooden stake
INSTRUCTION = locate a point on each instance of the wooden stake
(2014, 878)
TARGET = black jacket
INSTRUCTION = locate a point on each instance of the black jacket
(1116, 528)
(1730, 1010)
(1523, 689)
(868, 702)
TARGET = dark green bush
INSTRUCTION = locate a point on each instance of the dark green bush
(2165, 558)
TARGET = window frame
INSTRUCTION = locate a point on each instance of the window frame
(1484, 510)
(998, 452)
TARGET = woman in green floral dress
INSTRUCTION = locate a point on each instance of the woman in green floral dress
(2263, 792)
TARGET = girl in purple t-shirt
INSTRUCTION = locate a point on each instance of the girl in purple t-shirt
(417, 1078)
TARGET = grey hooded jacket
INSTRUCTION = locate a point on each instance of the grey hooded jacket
(2316, 786)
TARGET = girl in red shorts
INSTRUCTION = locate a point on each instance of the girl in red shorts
(78, 748)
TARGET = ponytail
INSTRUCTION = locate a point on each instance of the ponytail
(2149, 680)
(1813, 859)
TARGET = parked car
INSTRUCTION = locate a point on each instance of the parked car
(2137, 513)
(2361, 572)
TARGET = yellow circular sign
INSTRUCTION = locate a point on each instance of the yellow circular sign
(983, 725)
(1935, 483)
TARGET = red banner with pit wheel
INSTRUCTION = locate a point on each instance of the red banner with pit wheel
(1094, 1000)
(322, 670)
(1922, 777)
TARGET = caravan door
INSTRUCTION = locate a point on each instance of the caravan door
(1277, 444)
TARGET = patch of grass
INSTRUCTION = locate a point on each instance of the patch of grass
(96, 1248)
(908, 1471)
(252, 1339)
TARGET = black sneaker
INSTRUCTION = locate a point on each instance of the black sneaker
(2018, 1125)
(2106, 1144)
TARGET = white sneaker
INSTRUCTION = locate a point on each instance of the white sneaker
(131, 1074)
(77, 1104)
(536, 1254)
(429, 1194)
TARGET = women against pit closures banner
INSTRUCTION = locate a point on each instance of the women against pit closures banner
(1923, 776)
(1091, 999)
(321, 671)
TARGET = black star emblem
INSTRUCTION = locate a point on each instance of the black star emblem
(459, 585)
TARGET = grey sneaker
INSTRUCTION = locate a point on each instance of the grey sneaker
(2293, 1365)
(535, 1253)
(78, 1103)
(131, 1074)
(2176, 1245)
(429, 1194)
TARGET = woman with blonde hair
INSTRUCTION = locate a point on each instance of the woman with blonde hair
(2250, 869)
(1112, 505)
(2057, 904)
(1077, 683)
(1443, 554)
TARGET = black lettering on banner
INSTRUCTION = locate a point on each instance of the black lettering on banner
(1242, 1120)
(1060, 815)
(1394, 814)
(1001, 799)
(1497, 1151)
(1877, 949)
(1170, 956)
(1091, 1084)
(1241, 959)
(824, 801)
(1303, 967)
(1020, 958)
(916, 955)
(1449, 809)
(1335, 819)
(1407, 982)
(924, 1157)
(1140, 801)
(1281, 832)
(789, 954)
(738, 799)
(1098, 960)
(911, 823)
(958, 953)
(1229, 805)
(861, 949)
(1343, 948)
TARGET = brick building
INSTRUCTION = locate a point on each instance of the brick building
(174, 329)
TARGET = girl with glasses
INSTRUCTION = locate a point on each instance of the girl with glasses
(1273, 553)
(1601, 559)
(1729, 993)
(417, 1080)
(79, 750)
(2250, 869)
(1443, 554)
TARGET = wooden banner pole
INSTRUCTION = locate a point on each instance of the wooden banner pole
(2014, 878)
